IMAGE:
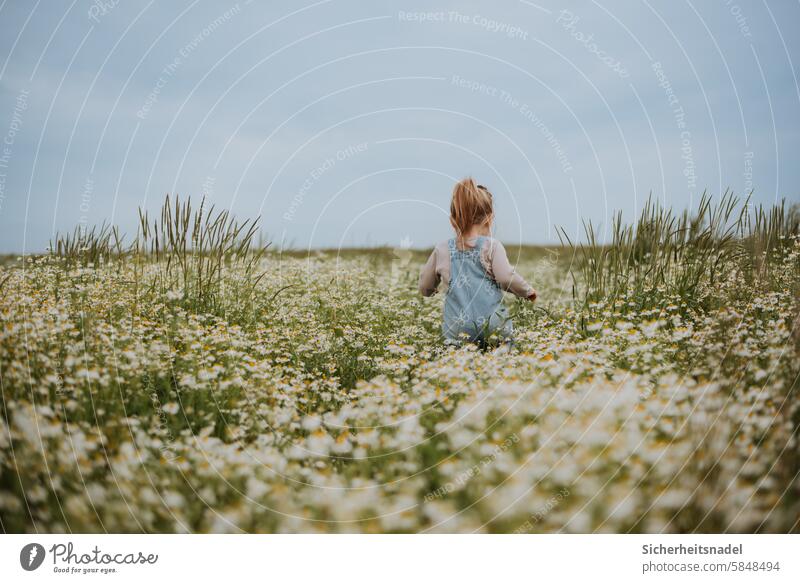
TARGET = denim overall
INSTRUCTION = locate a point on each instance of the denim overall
(473, 307)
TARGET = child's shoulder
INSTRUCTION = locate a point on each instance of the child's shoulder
(443, 246)
(490, 244)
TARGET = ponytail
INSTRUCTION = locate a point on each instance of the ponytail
(471, 205)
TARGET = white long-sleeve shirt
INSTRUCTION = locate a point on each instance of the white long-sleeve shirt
(493, 258)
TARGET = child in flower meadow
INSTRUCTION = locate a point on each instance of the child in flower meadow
(475, 271)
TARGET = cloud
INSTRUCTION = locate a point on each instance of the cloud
(270, 92)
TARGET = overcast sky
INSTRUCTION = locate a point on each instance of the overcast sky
(346, 123)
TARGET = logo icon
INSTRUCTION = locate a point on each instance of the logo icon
(31, 556)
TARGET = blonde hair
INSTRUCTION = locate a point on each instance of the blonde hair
(471, 205)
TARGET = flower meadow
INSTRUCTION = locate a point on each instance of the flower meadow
(202, 383)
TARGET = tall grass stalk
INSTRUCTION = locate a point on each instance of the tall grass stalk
(85, 247)
(664, 256)
(202, 257)
(192, 251)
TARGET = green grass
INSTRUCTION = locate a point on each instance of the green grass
(666, 257)
(319, 397)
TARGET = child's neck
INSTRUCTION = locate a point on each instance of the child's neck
(471, 233)
(476, 231)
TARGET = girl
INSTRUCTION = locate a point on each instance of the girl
(475, 270)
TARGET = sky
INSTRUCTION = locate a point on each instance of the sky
(343, 123)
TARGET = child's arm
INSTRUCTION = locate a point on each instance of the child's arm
(428, 277)
(505, 276)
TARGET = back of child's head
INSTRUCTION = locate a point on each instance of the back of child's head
(471, 205)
